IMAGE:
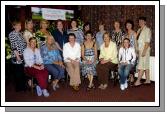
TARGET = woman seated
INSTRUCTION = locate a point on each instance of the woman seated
(53, 61)
(127, 57)
(34, 67)
(107, 60)
(72, 54)
(89, 56)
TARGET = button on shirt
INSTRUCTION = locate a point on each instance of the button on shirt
(31, 57)
(71, 52)
(127, 55)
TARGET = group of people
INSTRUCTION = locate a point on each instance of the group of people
(79, 52)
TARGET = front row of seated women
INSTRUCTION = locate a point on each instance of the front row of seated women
(47, 60)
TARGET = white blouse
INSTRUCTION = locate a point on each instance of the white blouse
(71, 52)
(31, 58)
(127, 55)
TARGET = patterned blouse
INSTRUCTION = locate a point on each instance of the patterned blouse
(117, 37)
(17, 42)
(50, 56)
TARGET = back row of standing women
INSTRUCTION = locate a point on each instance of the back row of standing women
(61, 47)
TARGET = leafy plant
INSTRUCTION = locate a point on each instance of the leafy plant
(7, 49)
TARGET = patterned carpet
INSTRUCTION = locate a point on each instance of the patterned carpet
(143, 93)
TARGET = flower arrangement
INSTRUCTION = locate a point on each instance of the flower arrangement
(40, 36)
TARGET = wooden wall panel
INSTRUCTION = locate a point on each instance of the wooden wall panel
(108, 14)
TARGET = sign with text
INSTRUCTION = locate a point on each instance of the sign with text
(52, 14)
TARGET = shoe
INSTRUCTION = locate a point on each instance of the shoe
(39, 91)
(76, 88)
(45, 92)
(57, 86)
(54, 87)
(122, 87)
(126, 85)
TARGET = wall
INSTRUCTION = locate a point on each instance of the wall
(108, 14)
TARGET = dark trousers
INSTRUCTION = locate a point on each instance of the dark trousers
(19, 77)
(103, 71)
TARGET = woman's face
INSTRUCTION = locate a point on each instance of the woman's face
(142, 23)
(117, 25)
(17, 27)
(106, 38)
(128, 26)
(30, 25)
(59, 25)
(101, 27)
(73, 24)
(49, 40)
(126, 43)
(33, 43)
(44, 25)
(88, 37)
(71, 39)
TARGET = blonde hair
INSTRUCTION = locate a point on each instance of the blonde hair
(51, 46)
(26, 22)
(46, 21)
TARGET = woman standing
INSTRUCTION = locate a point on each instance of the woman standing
(86, 27)
(18, 44)
(34, 67)
(53, 61)
(107, 60)
(89, 56)
(144, 38)
(99, 37)
(117, 34)
(131, 34)
(78, 32)
(44, 34)
(72, 54)
(28, 33)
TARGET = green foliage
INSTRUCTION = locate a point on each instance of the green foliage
(80, 23)
(7, 49)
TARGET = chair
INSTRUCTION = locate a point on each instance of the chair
(33, 81)
(114, 76)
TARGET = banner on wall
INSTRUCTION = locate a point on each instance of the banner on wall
(51, 14)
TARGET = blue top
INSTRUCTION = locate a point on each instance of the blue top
(50, 56)
(60, 38)
(99, 39)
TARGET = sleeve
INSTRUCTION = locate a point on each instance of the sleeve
(101, 52)
(133, 56)
(148, 36)
(120, 55)
(65, 54)
(78, 51)
(81, 34)
(39, 57)
(13, 41)
(27, 58)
